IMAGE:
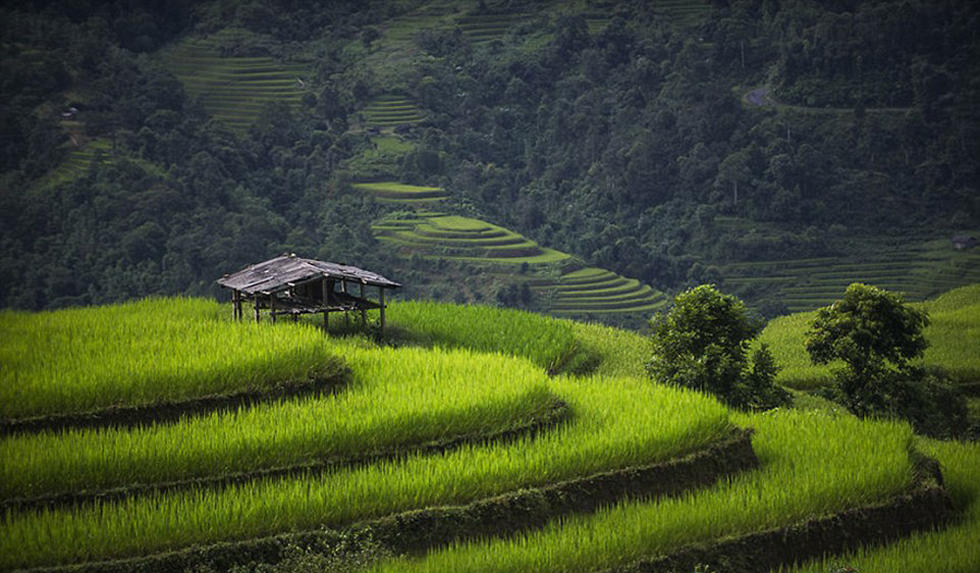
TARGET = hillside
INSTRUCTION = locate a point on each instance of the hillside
(148, 148)
(453, 448)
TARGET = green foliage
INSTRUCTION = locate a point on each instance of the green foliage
(702, 343)
(618, 423)
(868, 329)
(141, 353)
(813, 465)
(876, 336)
(950, 549)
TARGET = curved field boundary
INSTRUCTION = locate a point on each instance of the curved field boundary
(234, 89)
(923, 508)
(553, 417)
(127, 416)
(507, 513)
(442, 236)
(390, 111)
(393, 192)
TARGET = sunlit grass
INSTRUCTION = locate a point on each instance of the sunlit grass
(84, 359)
(399, 397)
(616, 423)
(813, 465)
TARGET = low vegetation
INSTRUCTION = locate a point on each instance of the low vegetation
(453, 371)
(159, 350)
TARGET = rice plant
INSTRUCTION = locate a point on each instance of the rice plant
(813, 465)
(84, 359)
(616, 423)
(547, 342)
(398, 398)
(951, 550)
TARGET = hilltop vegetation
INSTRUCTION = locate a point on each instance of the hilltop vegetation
(451, 450)
(210, 135)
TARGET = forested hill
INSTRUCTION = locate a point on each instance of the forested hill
(775, 147)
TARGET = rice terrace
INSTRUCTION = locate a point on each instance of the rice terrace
(542, 447)
(674, 286)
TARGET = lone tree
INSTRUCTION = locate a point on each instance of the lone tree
(702, 343)
(877, 337)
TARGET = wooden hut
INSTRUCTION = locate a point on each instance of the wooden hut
(290, 286)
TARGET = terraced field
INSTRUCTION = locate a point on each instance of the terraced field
(806, 284)
(438, 235)
(470, 459)
(78, 161)
(433, 14)
(234, 89)
(484, 28)
(599, 291)
(399, 193)
(919, 266)
(391, 111)
(683, 12)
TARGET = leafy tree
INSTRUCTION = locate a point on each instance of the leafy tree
(877, 337)
(702, 343)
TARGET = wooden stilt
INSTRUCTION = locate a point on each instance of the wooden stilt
(363, 311)
(326, 313)
(272, 307)
(256, 308)
(381, 303)
(236, 301)
(346, 313)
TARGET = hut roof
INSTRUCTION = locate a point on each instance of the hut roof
(286, 271)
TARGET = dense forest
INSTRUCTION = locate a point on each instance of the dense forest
(625, 144)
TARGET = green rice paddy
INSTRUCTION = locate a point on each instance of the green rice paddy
(593, 290)
(919, 268)
(953, 335)
(399, 193)
(390, 111)
(85, 359)
(455, 370)
(438, 235)
(234, 89)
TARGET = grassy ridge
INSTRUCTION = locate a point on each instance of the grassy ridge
(85, 359)
(394, 192)
(398, 398)
(461, 238)
(953, 335)
(617, 423)
(593, 290)
(811, 468)
(952, 550)
(550, 343)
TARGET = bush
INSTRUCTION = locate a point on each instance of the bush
(702, 343)
(876, 336)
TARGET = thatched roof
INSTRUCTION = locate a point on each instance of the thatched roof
(287, 271)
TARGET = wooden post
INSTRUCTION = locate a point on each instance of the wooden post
(346, 313)
(326, 302)
(272, 307)
(236, 301)
(256, 307)
(381, 302)
(363, 310)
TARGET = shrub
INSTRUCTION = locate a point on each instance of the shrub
(702, 343)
